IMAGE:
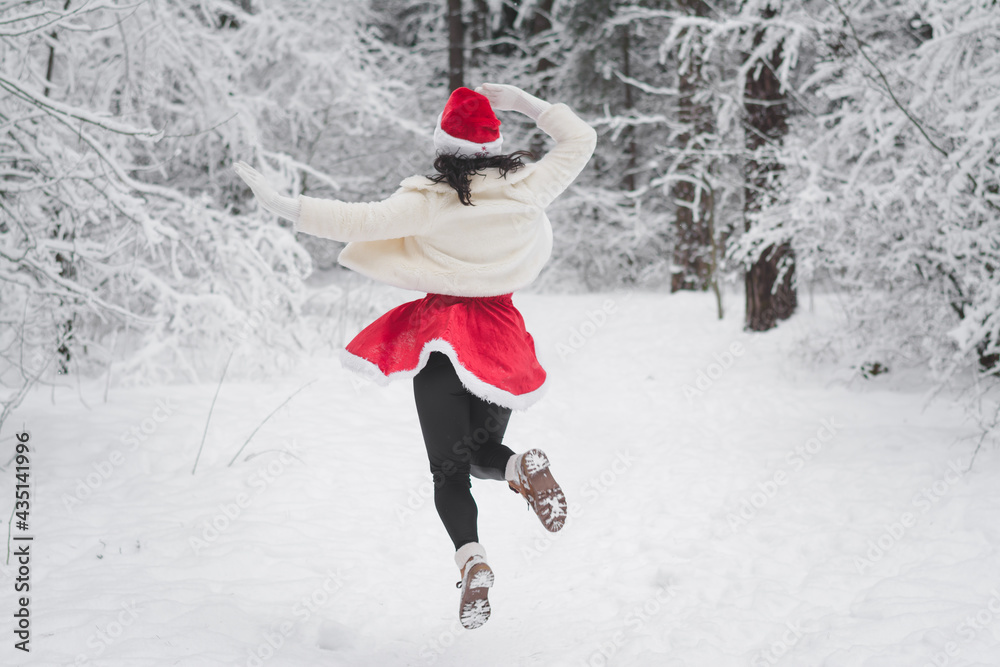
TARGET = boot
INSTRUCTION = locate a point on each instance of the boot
(477, 578)
(528, 474)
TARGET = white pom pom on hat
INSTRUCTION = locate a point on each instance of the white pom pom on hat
(468, 127)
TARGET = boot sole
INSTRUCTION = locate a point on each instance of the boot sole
(474, 607)
(546, 496)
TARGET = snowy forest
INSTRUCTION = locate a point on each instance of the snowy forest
(754, 157)
(768, 146)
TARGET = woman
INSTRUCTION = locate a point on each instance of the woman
(468, 236)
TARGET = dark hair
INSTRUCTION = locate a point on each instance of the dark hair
(458, 171)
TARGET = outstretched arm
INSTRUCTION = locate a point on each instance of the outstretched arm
(267, 197)
(405, 213)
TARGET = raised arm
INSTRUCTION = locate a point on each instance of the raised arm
(404, 213)
(575, 139)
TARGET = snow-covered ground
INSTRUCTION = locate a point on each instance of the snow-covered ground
(732, 504)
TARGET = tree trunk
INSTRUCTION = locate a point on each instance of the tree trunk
(541, 22)
(628, 181)
(713, 257)
(456, 45)
(66, 268)
(52, 56)
(693, 242)
(479, 31)
(768, 300)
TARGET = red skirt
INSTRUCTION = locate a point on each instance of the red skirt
(484, 337)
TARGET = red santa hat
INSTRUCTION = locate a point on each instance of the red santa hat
(468, 127)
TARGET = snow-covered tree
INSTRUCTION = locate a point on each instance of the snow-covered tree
(123, 232)
(614, 227)
(888, 180)
(893, 185)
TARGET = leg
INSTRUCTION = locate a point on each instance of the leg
(444, 412)
(489, 454)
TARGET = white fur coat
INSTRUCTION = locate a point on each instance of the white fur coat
(422, 238)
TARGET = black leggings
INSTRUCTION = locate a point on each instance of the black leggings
(463, 434)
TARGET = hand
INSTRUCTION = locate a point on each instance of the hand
(267, 197)
(501, 96)
(504, 97)
(261, 190)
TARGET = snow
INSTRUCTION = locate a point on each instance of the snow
(731, 503)
(535, 461)
(482, 579)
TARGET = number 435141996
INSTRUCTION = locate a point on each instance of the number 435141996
(23, 489)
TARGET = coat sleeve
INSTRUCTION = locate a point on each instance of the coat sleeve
(575, 143)
(405, 213)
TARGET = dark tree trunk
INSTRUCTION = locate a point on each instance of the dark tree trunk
(479, 31)
(52, 56)
(66, 268)
(628, 182)
(456, 45)
(767, 299)
(766, 302)
(693, 241)
(541, 22)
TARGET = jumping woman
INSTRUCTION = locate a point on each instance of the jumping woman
(468, 236)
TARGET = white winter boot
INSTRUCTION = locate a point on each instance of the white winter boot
(477, 578)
